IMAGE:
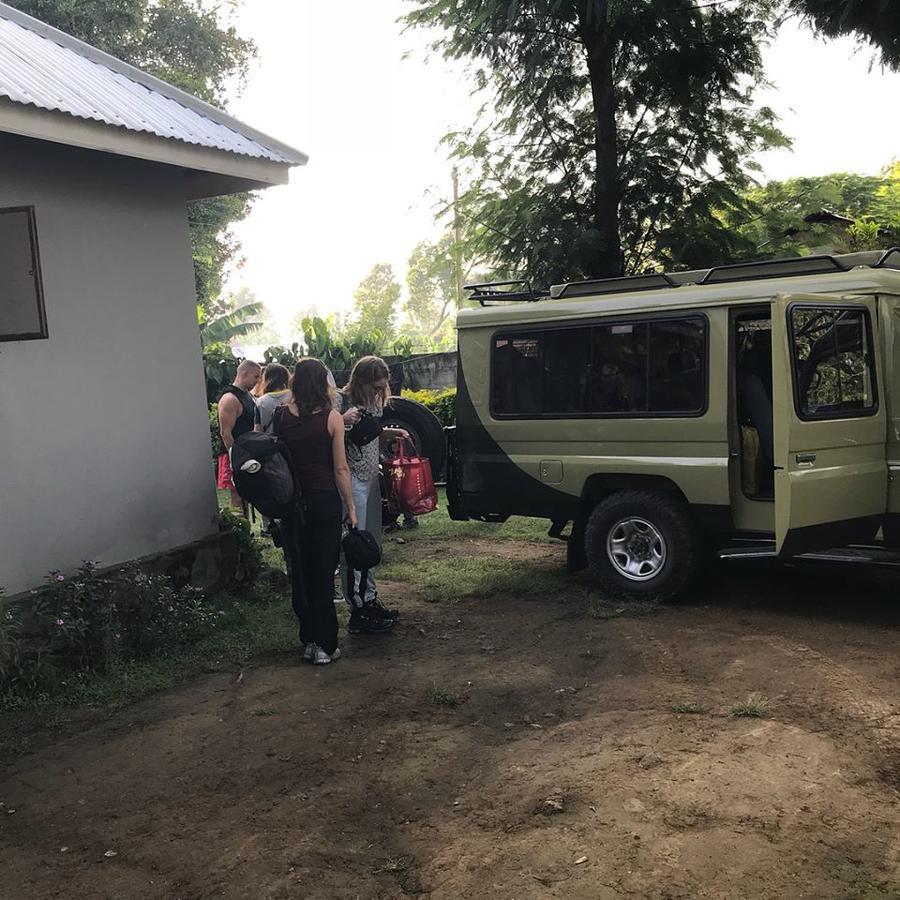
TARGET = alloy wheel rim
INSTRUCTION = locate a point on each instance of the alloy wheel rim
(636, 548)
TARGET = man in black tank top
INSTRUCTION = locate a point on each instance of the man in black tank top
(237, 411)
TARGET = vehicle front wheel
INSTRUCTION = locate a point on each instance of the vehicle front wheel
(642, 545)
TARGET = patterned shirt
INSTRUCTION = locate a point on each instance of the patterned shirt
(364, 461)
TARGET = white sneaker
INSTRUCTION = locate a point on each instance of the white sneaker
(309, 652)
(322, 658)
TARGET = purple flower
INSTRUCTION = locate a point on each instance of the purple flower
(60, 622)
(60, 577)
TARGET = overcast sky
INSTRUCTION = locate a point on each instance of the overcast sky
(337, 86)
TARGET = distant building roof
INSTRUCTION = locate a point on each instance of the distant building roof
(48, 70)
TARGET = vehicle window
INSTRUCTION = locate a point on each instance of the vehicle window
(566, 361)
(640, 367)
(517, 374)
(832, 361)
(618, 375)
(677, 350)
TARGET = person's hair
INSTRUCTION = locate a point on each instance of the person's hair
(310, 388)
(276, 378)
(365, 373)
(248, 365)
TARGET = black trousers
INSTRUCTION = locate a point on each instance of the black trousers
(315, 546)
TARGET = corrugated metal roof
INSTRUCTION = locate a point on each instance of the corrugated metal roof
(42, 67)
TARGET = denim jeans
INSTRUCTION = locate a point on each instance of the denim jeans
(367, 500)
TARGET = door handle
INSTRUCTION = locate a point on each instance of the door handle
(808, 458)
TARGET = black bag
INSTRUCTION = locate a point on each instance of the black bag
(263, 475)
(366, 430)
(361, 550)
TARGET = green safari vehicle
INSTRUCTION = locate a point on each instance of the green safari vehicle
(743, 410)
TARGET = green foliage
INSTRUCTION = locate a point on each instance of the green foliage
(776, 226)
(95, 622)
(441, 403)
(431, 283)
(375, 303)
(215, 438)
(219, 367)
(250, 559)
(190, 44)
(876, 22)
(240, 322)
(604, 127)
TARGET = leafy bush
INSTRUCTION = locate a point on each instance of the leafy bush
(94, 622)
(441, 403)
(220, 367)
(215, 438)
(250, 549)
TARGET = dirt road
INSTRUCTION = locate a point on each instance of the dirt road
(503, 748)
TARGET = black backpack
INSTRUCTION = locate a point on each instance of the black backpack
(262, 473)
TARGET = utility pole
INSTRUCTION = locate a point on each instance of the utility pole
(457, 246)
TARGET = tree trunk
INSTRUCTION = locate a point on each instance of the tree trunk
(606, 257)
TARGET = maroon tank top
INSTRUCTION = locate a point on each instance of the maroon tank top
(309, 444)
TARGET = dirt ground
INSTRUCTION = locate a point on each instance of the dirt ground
(570, 767)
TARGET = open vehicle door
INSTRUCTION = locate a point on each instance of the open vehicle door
(830, 423)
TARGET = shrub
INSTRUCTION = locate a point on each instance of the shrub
(441, 403)
(215, 438)
(250, 559)
(94, 622)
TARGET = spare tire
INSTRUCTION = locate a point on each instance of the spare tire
(424, 429)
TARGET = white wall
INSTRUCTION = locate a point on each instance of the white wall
(104, 448)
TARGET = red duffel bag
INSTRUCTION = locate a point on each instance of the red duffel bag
(411, 483)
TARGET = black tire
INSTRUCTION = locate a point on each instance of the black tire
(424, 429)
(660, 529)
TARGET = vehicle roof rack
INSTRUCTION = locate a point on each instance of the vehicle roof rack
(890, 259)
(618, 285)
(772, 268)
(490, 292)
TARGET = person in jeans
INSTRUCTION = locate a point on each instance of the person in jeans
(314, 434)
(368, 391)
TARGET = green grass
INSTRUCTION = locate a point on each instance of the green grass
(454, 578)
(688, 709)
(250, 627)
(439, 525)
(754, 707)
(443, 697)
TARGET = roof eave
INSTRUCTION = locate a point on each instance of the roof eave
(238, 173)
(291, 154)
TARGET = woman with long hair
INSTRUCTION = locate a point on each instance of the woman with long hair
(275, 392)
(314, 434)
(368, 393)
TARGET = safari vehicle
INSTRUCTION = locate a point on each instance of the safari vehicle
(745, 410)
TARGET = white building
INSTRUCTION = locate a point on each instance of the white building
(104, 442)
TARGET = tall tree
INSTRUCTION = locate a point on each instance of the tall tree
(375, 303)
(834, 213)
(604, 123)
(619, 136)
(874, 22)
(431, 287)
(189, 44)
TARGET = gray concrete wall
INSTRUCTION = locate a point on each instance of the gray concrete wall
(430, 371)
(104, 447)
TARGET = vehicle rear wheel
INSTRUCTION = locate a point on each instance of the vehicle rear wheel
(642, 545)
(424, 430)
